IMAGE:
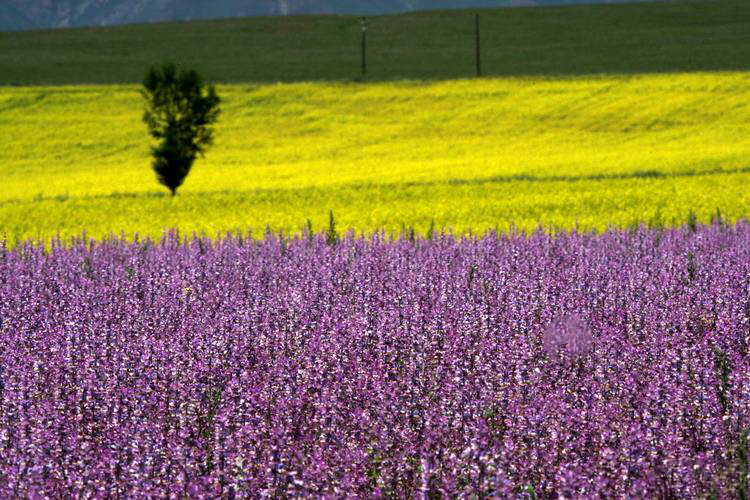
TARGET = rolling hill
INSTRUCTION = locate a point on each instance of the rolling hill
(575, 40)
(40, 14)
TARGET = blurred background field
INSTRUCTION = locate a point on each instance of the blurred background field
(596, 116)
(465, 154)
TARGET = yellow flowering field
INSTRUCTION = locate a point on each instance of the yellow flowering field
(464, 154)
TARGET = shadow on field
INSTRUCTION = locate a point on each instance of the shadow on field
(498, 179)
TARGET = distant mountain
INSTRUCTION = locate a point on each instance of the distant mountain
(42, 14)
(11, 18)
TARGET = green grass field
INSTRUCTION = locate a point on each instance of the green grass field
(464, 154)
(670, 36)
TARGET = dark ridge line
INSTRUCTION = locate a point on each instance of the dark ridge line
(498, 179)
(638, 174)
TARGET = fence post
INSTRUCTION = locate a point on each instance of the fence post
(478, 48)
(364, 46)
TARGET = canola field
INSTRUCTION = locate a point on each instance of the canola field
(464, 155)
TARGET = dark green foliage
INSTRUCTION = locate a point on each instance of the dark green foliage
(472, 273)
(735, 473)
(88, 267)
(309, 230)
(723, 369)
(692, 267)
(180, 110)
(656, 221)
(207, 412)
(742, 465)
(431, 230)
(332, 236)
(692, 222)
(527, 492)
(719, 219)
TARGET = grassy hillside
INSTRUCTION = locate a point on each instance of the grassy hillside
(463, 154)
(636, 38)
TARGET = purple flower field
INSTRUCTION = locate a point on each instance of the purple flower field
(568, 366)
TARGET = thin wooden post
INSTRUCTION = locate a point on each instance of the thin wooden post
(478, 47)
(364, 47)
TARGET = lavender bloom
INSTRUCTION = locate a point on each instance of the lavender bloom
(378, 367)
(567, 337)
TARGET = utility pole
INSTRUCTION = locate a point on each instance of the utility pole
(364, 47)
(478, 47)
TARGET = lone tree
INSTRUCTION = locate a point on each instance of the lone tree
(180, 110)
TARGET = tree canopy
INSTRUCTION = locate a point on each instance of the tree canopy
(180, 109)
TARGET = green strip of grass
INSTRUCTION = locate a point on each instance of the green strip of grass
(702, 35)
